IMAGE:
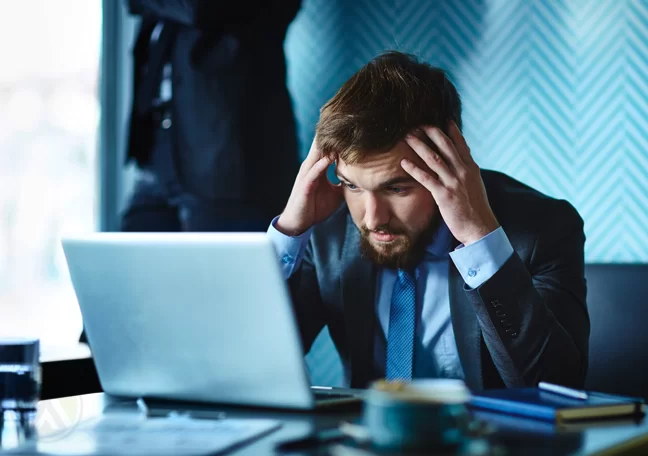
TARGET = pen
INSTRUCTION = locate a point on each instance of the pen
(563, 390)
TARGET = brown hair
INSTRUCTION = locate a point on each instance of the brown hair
(387, 98)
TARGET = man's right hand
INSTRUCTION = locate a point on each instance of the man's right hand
(313, 199)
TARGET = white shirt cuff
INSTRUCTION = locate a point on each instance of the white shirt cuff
(480, 260)
(290, 249)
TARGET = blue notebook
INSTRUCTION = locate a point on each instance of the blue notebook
(549, 406)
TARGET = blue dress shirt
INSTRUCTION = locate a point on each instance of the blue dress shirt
(435, 349)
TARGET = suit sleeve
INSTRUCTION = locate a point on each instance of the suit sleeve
(309, 309)
(534, 319)
(295, 256)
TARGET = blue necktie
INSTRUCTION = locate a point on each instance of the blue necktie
(402, 322)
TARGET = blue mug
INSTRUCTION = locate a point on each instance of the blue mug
(423, 414)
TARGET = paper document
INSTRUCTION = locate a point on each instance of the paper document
(128, 434)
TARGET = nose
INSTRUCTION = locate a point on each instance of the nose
(376, 212)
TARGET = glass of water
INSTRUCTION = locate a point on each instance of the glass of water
(20, 374)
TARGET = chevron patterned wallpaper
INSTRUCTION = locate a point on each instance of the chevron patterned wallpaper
(555, 94)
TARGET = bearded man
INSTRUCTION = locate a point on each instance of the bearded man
(421, 264)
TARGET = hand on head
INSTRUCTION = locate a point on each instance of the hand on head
(454, 179)
(313, 198)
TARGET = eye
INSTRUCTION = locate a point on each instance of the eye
(350, 186)
(396, 190)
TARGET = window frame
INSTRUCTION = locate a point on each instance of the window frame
(118, 32)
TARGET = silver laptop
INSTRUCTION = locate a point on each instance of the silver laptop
(201, 317)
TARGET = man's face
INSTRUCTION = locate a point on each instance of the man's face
(396, 215)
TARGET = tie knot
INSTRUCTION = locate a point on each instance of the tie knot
(405, 275)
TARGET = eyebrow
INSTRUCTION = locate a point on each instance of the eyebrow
(388, 183)
(397, 180)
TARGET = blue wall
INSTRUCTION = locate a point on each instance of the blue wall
(555, 92)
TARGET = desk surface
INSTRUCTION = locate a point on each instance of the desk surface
(510, 436)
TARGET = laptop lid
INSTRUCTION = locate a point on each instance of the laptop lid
(189, 316)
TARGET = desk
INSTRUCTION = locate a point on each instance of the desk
(514, 436)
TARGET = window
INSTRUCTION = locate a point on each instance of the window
(49, 124)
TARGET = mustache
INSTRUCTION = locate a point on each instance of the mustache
(384, 229)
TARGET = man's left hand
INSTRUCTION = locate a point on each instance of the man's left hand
(455, 183)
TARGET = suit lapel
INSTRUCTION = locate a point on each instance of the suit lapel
(466, 330)
(358, 284)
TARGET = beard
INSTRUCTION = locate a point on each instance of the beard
(406, 251)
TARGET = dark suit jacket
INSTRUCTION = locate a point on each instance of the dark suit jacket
(527, 323)
(233, 117)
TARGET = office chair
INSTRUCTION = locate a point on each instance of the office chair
(618, 308)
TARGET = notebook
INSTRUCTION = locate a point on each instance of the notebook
(550, 406)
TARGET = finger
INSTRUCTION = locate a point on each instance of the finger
(425, 179)
(430, 157)
(445, 146)
(318, 169)
(314, 154)
(460, 143)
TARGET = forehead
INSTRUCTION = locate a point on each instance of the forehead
(379, 167)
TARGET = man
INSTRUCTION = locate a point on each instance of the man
(212, 124)
(431, 267)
